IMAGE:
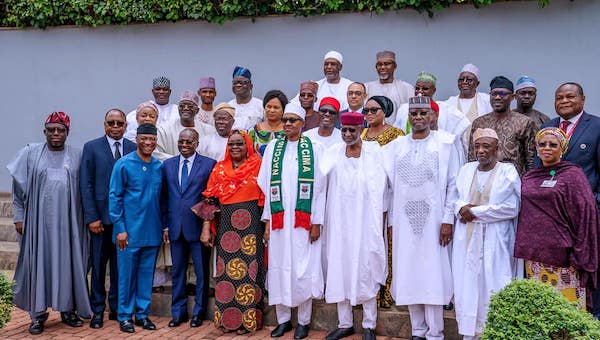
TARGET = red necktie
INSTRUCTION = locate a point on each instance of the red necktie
(564, 125)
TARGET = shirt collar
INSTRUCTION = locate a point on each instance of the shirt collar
(574, 119)
(190, 159)
(112, 141)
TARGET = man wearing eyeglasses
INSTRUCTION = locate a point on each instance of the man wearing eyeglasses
(308, 98)
(326, 134)
(422, 167)
(294, 189)
(97, 161)
(356, 256)
(397, 90)
(516, 132)
(52, 264)
(470, 102)
(248, 109)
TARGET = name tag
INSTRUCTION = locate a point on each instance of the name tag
(275, 195)
(304, 191)
(548, 183)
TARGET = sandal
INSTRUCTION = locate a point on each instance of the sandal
(242, 331)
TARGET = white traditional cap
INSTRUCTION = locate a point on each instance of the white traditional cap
(487, 132)
(335, 55)
(471, 69)
(295, 108)
(524, 82)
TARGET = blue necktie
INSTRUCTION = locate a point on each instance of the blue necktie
(184, 174)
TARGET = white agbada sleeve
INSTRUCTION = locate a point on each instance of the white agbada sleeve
(451, 193)
(264, 180)
(508, 207)
(317, 215)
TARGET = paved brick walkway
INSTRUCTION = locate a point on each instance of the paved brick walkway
(17, 329)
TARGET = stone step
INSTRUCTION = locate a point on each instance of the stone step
(393, 322)
(9, 252)
(7, 230)
(6, 206)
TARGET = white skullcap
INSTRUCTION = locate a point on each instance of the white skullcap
(295, 108)
(487, 132)
(335, 55)
(471, 69)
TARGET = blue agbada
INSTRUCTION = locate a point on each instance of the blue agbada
(134, 200)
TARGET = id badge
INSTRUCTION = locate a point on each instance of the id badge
(549, 183)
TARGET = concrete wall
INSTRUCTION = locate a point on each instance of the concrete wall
(85, 71)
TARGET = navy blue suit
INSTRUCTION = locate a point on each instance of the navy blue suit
(185, 229)
(97, 162)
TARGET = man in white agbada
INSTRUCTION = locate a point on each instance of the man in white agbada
(294, 189)
(214, 145)
(395, 89)
(326, 133)
(356, 256)
(161, 90)
(168, 133)
(470, 102)
(207, 91)
(450, 119)
(422, 167)
(248, 109)
(333, 85)
(486, 209)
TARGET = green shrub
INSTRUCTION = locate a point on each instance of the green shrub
(6, 299)
(531, 310)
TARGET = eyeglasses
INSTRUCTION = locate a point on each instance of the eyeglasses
(348, 129)
(355, 93)
(232, 144)
(384, 63)
(115, 123)
(187, 106)
(240, 82)
(186, 141)
(56, 129)
(306, 95)
(419, 113)
(422, 88)
(501, 94)
(291, 120)
(466, 80)
(147, 138)
(550, 145)
(325, 111)
(370, 110)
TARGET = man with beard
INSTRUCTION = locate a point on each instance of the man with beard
(326, 134)
(161, 91)
(214, 145)
(356, 256)
(207, 93)
(134, 206)
(516, 132)
(308, 98)
(526, 92)
(248, 109)
(397, 90)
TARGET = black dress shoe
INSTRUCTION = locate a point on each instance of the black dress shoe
(126, 326)
(37, 326)
(368, 334)
(449, 306)
(301, 331)
(112, 315)
(190, 289)
(196, 321)
(175, 322)
(97, 321)
(158, 289)
(71, 319)
(339, 333)
(418, 338)
(281, 329)
(145, 323)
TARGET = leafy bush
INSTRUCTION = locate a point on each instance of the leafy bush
(529, 309)
(6, 299)
(44, 13)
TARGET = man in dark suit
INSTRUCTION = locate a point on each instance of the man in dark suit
(99, 156)
(583, 130)
(184, 178)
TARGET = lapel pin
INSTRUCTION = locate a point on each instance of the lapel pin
(583, 146)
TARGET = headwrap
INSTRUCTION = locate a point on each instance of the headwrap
(310, 85)
(227, 108)
(334, 55)
(189, 96)
(419, 102)
(240, 71)
(295, 108)
(524, 82)
(146, 129)
(352, 118)
(149, 104)
(207, 83)
(471, 69)
(386, 54)
(386, 104)
(487, 132)
(161, 82)
(426, 77)
(330, 101)
(60, 118)
(501, 82)
(556, 132)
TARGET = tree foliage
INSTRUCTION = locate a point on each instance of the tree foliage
(45, 13)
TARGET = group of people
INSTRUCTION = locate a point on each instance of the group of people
(362, 194)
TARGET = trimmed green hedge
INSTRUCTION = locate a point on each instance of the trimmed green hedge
(45, 13)
(6, 300)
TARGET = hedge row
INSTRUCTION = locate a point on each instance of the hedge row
(45, 13)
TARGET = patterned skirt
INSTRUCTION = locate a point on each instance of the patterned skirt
(240, 277)
(565, 280)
